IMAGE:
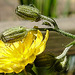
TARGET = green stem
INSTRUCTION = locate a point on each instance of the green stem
(56, 27)
(59, 31)
(25, 72)
(50, 20)
(41, 29)
(65, 33)
(72, 43)
(64, 52)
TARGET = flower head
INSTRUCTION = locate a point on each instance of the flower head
(15, 56)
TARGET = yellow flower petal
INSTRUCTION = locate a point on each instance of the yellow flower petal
(35, 44)
(42, 46)
(29, 39)
(15, 56)
(2, 44)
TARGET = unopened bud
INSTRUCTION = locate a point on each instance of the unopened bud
(28, 12)
(50, 61)
(44, 60)
(13, 34)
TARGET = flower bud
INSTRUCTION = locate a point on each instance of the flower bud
(28, 12)
(44, 60)
(50, 61)
(13, 34)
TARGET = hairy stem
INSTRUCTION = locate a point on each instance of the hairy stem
(50, 20)
(65, 33)
(56, 28)
(59, 31)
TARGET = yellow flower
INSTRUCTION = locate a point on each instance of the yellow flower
(15, 56)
